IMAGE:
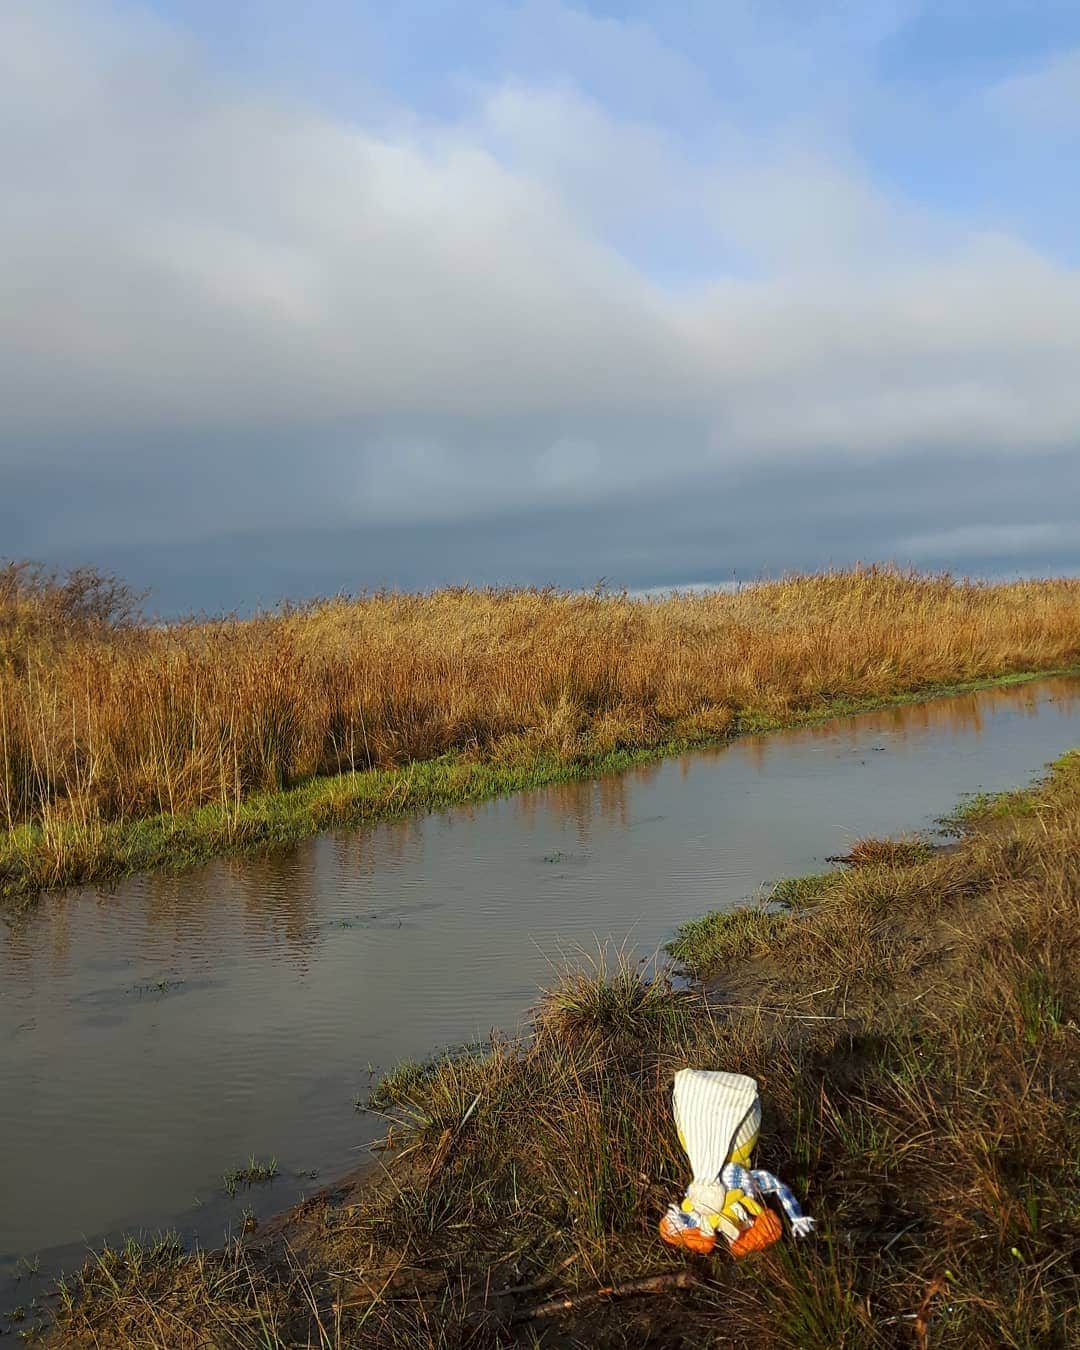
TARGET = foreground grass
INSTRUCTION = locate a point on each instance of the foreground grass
(913, 1025)
(126, 746)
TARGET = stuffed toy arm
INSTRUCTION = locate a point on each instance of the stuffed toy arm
(758, 1182)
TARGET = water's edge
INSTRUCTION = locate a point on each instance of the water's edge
(266, 823)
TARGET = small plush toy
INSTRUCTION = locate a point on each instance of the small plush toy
(718, 1116)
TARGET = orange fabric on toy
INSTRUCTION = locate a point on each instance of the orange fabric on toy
(763, 1232)
(691, 1238)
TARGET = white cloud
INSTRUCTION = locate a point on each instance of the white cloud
(447, 318)
(1046, 99)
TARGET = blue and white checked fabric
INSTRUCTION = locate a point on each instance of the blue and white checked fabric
(757, 1183)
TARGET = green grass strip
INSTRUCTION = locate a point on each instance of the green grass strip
(31, 863)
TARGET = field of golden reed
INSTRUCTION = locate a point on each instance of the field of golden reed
(106, 718)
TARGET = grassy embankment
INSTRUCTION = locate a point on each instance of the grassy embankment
(126, 746)
(912, 1021)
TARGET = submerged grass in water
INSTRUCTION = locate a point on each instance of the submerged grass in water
(251, 1174)
(914, 1033)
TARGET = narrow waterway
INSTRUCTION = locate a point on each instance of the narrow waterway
(158, 1035)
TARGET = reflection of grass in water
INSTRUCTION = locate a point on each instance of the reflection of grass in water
(26, 1267)
(126, 746)
(162, 986)
(250, 1174)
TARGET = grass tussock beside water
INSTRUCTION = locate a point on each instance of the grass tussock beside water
(913, 1027)
(127, 745)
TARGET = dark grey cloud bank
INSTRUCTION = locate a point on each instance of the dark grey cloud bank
(248, 350)
(961, 512)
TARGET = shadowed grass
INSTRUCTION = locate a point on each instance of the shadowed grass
(914, 1032)
(126, 745)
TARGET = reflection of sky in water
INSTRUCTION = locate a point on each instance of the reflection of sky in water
(155, 1036)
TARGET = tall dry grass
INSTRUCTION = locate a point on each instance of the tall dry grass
(105, 717)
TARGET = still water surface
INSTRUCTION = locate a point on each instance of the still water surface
(156, 1036)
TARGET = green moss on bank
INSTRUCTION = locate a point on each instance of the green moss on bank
(982, 810)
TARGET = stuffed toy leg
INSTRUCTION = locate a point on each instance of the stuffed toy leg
(718, 1117)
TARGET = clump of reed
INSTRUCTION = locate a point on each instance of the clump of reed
(108, 720)
(603, 1002)
(884, 853)
(913, 1031)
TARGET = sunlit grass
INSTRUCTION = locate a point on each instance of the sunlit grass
(126, 745)
(706, 945)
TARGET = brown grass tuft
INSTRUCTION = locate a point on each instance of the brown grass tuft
(884, 853)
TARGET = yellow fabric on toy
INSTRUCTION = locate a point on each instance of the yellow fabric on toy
(718, 1117)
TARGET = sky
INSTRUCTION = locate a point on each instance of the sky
(302, 298)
